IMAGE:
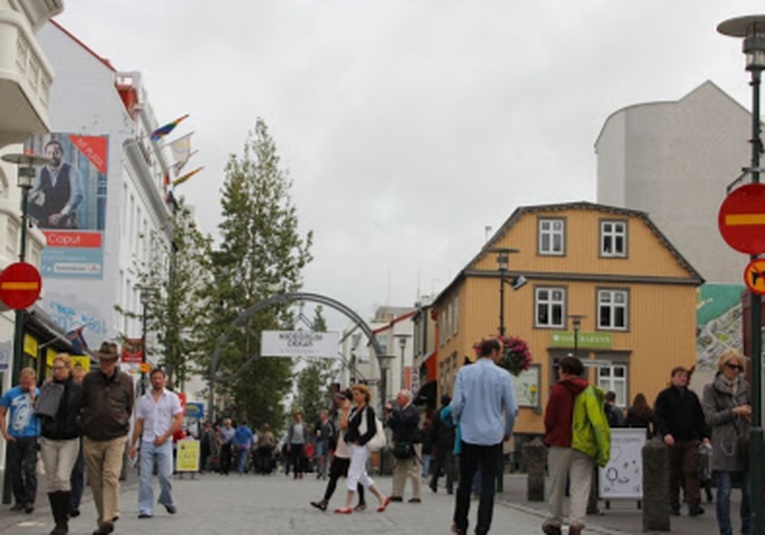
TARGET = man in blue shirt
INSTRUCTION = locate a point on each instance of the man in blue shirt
(21, 437)
(242, 441)
(484, 404)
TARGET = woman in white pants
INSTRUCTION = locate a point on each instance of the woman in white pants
(60, 443)
(360, 430)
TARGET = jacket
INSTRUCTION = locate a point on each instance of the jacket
(560, 410)
(441, 435)
(590, 432)
(678, 412)
(361, 426)
(405, 424)
(66, 424)
(106, 405)
(718, 400)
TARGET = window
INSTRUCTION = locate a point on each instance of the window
(552, 236)
(613, 238)
(614, 378)
(612, 309)
(549, 307)
(456, 316)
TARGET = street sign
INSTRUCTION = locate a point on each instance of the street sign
(597, 363)
(144, 367)
(20, 285)
(195, 409)
(742, 219)
(754, 276)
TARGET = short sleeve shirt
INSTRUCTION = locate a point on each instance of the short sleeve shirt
(23, 423)
(158, 415)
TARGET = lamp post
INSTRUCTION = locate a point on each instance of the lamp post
(503, 262)
(146, 294)
(25, 175)
(576, 322)
(402, 344)
(752, 29)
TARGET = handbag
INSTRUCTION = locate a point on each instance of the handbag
(403, 450)
(378, 441)
(49, 399)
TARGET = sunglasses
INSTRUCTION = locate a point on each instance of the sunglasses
(734, 367)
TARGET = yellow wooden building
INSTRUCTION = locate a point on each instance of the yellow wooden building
(600, 281)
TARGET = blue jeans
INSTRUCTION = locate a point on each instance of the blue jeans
(322, 457)
(22, 461)
(723, 503)
(241, 453)
(163, 456)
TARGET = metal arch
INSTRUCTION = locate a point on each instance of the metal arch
(275, 300)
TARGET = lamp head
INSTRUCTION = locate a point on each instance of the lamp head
(520, 282)
(752, 29)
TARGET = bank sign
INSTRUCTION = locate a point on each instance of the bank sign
(584, 340)
(299, 344)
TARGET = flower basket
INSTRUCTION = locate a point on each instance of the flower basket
(516, 357)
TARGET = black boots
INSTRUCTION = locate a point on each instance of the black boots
(59, 505)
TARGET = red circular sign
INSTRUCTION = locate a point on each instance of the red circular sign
(20, 285)
(742, 219)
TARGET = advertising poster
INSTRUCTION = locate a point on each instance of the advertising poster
(188, 456)
(719, 322)
(68, 203)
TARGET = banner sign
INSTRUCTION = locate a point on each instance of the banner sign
(132, 351)
(584, 340)
(299, 344)
(68, 203)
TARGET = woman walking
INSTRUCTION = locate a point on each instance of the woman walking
(360, 428)
(727, 409)
(60, 442)
(640, 414)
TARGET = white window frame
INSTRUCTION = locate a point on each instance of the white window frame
(610, 298)
(613, 240)
(555, 237)
(616, 384)
(550, 303)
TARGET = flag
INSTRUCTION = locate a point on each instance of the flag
(75, 337)
(184, 178)
(162, 131)
(181, 150)
(177, 166)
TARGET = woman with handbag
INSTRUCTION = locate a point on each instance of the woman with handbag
(60, 438)
(360, 427)
(727, 409)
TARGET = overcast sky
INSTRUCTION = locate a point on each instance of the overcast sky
(409, 126)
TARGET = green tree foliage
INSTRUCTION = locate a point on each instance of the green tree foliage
(261, 254)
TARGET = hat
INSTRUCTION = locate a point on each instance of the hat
(106, 351)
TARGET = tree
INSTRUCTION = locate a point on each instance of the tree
(261, 254)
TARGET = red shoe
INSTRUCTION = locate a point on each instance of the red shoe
(344, 511)
(384, 505)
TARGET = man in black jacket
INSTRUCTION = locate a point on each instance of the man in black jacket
(404, 420)
(442, 438)
(681, 425)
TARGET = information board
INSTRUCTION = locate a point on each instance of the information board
(622, 477)
(188, 456)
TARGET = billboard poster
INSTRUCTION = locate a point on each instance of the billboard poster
(68, 203)
(719, 322)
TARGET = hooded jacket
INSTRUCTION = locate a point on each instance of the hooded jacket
(590, 433)
(559, 413)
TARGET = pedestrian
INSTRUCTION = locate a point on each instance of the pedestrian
(297, 437)
(158, 416)
(404, 421)
(21, 436)
(105, 408)
(60, 442)
(266, 445)
(360, 425)
(78, 470)
(241, 444)
(640, 414)
(205, 446)
(728, 411)
(681, 425)
(226, 436)
(324, 432)
(614, 414)
(578, 436)
(427, 448)
(341, 460)
(485, 407)
(442, 438)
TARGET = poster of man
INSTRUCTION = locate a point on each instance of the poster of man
(56, 192)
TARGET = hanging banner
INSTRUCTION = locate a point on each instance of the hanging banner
(132, 351)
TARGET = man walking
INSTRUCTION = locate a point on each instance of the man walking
(404, 421)
(485, 406)
(578, 435)
(106, 406)
(158, 416)
(227, 433)
(681, 425)
(21, 439)
(324, 432)
(442, 438)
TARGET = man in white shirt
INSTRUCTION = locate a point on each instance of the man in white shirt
(159, 416)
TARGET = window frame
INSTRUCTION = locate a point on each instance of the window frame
(613, 307)
(612, 379)
(551, 303)
(614, 236)
(551, 233)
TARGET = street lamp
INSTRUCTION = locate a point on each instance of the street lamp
(384, 366)
(503, 261)
(146, 294)
(25, 175)
(752, 29)
(576, 322)
(402, 344)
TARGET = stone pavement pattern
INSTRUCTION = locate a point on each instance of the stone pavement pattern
(277, 505)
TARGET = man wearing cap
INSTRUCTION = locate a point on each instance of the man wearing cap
(106, 406)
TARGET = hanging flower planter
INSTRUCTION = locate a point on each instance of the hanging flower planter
(516, 357)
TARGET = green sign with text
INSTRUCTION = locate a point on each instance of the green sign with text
(584, 340)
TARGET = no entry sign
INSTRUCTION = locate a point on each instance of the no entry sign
(742, 219)
(20, 285)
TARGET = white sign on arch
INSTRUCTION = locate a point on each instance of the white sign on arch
(299, 344)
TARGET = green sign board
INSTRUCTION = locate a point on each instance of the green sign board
(584, 340)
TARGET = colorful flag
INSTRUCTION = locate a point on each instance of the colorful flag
(75, 337)
(184, 178)
(181, 150)
(162, 131)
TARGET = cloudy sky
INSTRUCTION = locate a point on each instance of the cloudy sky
(409, 126)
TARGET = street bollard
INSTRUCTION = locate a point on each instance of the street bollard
(535, 457)
(656, 507)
